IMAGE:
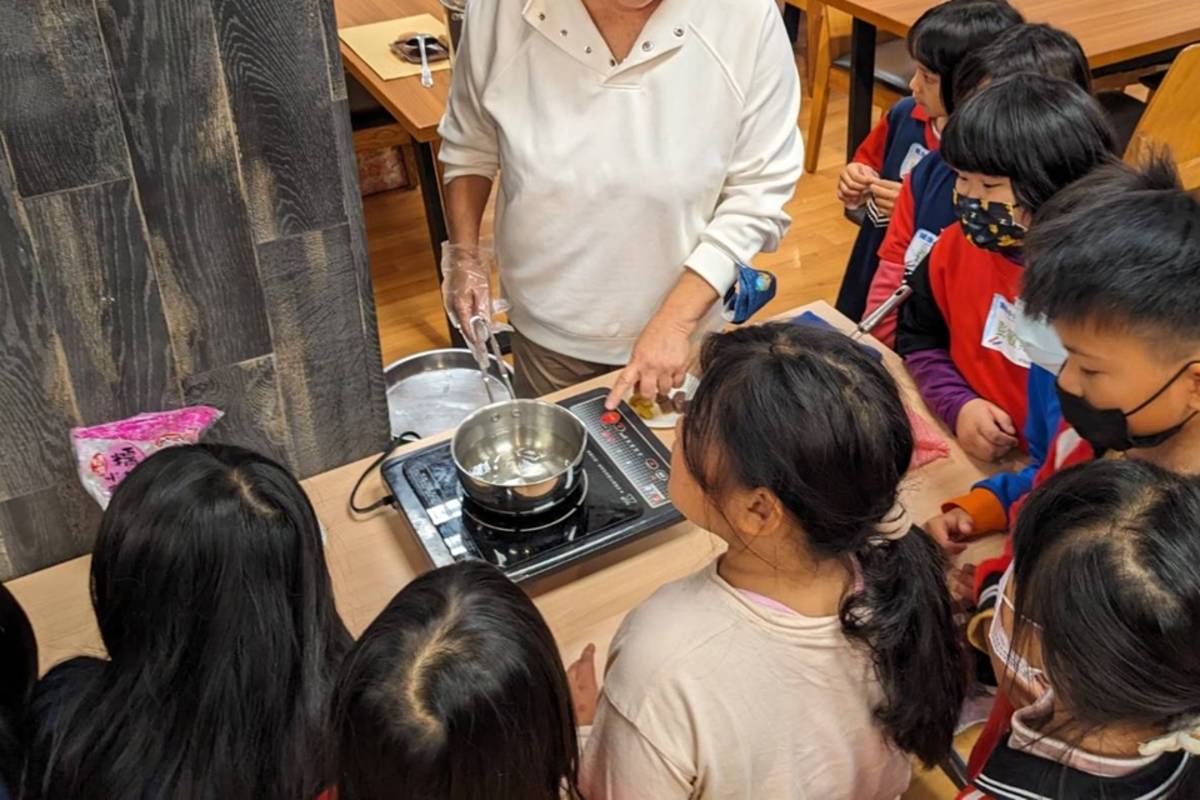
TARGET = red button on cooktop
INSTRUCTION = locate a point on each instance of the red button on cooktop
(610, 417)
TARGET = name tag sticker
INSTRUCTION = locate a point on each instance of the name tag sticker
(916, 151)
(922, 242)
(1000, 332)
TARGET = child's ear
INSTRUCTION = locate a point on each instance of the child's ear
(761, 513)
(1192, 376)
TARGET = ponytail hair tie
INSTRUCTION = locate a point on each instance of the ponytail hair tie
(1186, 738)
(895, 525)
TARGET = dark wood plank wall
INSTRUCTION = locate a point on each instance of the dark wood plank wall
(179, 223)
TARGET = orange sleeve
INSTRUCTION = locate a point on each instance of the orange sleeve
(985, 509)
(977, 629)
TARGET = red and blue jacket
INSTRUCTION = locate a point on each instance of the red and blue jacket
(990, 500)
(957, 331)
(923, 210)
(892, 149)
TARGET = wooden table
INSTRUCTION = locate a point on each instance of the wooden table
(372, 558)
(416, 108)
(1115, 34)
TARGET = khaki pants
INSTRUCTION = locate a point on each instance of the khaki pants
(540, 371)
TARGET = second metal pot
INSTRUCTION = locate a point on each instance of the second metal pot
(519, 456)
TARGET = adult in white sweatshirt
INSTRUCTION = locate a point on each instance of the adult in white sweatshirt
(643, 148)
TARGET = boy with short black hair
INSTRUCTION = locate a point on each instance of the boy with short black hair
(1115, 268)
(1113, 263)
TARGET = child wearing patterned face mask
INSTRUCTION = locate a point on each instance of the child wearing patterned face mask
(957, 332)
(1113, 263)
(1095, 637)
(925, 206)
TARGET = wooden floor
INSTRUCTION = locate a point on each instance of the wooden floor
(809, 262)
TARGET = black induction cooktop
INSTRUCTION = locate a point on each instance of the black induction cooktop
(623, 496)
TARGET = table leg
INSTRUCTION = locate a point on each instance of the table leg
(435, 218)
(862, 83)
(791, 21)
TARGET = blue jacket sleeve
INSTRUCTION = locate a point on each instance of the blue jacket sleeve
(1040, 426)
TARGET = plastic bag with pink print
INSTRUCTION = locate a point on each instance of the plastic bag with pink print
(106, 453)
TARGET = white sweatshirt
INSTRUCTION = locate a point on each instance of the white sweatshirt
(615, 177)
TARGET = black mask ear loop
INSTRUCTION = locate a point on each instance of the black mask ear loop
(1164, 388)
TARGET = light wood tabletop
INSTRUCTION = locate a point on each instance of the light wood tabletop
(372, 558)
(418, 109)
(1115, 35)
(1109, 31)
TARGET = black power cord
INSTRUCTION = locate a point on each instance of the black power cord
(408, 437)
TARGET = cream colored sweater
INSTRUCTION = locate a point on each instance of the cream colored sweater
(615, 176)
(710, 695)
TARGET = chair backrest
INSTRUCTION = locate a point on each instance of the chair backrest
(1172, 118)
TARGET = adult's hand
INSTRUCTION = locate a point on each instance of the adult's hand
(659, 362)
(660, 355)
(466, 285)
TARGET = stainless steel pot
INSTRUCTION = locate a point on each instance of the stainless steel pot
(519, 456)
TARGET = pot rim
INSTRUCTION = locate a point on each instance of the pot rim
(576, 460)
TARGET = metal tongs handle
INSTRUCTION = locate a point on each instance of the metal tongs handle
(886, 307)
(482, 330)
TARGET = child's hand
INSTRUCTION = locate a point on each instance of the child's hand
(949, 530)
(885, 194)
(855, 179)
(962, 586)
(585, 692)
(985, 431)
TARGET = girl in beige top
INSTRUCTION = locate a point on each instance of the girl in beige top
(819, 651)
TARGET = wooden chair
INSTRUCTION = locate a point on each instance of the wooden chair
(828, 62)
(1172, 119)
(373, 129)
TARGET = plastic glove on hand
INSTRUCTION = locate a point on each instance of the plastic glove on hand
(466, 284)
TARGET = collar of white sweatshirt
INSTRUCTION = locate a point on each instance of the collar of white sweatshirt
(617, 176)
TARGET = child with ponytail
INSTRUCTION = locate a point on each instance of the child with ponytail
(815, 655)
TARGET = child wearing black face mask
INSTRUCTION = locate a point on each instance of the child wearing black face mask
(1014, 144)
(1113, 263)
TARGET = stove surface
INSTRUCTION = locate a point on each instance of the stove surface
(623, 496)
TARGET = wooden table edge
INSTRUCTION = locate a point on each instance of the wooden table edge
(579, 602)
(367, 78)
(1098, 61)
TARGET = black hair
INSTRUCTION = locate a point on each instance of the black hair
(1105, 565)
(814, 418)
(1040, 132)
(941, 36)
(1030, 47)
(456, 691)
(18, 672)
(215, 606)
(1121, 247)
